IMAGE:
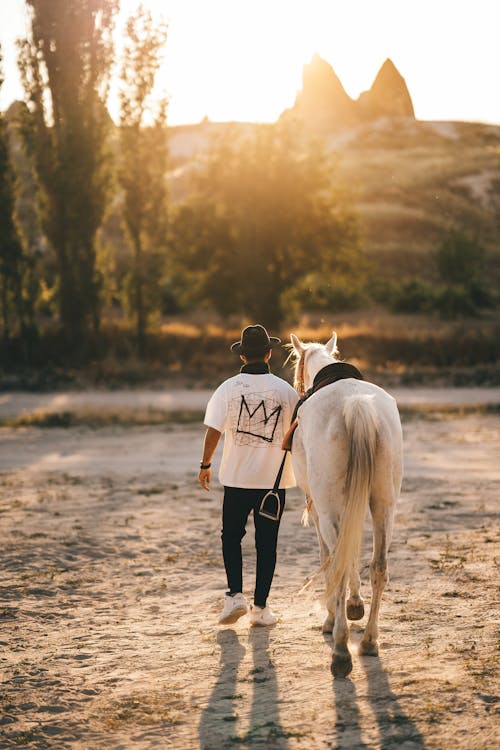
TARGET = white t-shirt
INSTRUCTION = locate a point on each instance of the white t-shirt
(254, 413)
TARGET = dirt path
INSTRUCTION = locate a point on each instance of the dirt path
(111, 582)
(17, 403)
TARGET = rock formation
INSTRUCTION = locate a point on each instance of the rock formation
(323, 104)
(323, 100)
(388, 96)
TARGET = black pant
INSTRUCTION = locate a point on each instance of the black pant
(238, 503)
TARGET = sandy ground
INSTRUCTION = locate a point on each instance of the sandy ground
(111, 582)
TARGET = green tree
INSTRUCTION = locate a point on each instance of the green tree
(143, 165)
(265, 211)
(459, 260)
(11, 252)
(461, 267)
(65, 65)
(36, 270)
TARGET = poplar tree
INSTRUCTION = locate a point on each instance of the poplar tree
(65, 66)
(11, 252)
(143, 165)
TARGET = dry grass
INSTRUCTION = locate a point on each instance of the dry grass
(194, 349)
(95, 418)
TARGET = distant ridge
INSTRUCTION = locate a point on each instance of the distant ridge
(324, 105)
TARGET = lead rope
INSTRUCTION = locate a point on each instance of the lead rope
(309, 501)
(272, 497)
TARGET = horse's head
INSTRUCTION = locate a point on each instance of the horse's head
(308, 359)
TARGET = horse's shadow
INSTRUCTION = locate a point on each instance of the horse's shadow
(394, 727)
(220, 721)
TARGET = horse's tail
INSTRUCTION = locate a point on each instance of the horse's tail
(361, 424)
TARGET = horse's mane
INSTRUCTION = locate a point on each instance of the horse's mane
(295, 358)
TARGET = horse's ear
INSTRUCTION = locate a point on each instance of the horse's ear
(331, 346)
(297, 344)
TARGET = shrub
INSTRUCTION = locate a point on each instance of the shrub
(459, 260)
(411, 295)
(460, 286)
(455, 300)
(461, 267)
(317, 293)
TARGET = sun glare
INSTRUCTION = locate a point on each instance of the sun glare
(242, 60)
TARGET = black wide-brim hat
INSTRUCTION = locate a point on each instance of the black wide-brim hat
(254, 340)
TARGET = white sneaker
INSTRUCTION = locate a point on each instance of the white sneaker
(234, 607)
(262, 616)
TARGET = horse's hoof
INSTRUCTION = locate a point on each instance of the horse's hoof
(355, 609)
(368, 648)
(328, 624)
(341, 664)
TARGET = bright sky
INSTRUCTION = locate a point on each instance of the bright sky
(242, 59)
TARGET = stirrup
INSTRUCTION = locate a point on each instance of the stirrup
(273, 500)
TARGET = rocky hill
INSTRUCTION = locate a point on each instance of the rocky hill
(323, 105)
(388, 96)
(412, 181)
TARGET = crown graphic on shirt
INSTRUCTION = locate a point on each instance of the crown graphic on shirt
(260, 421)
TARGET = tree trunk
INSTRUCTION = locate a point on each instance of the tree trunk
(71, 312)
(19, 303)
(5, 311)
(139, 297)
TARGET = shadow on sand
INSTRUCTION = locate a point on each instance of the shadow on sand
(221, 721)
(395, 729)
(218, 720)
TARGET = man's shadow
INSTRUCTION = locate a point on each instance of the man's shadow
(219, 718)
(393, 725)
(219, 721)
(265, 729)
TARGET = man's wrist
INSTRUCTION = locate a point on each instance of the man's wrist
(205, 466)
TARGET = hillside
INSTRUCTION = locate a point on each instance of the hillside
(416, 180)
(411, 182)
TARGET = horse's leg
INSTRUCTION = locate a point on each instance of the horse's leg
(355, 604)
(326, 537)
(342, 661)
(323, 547)
(382, 526)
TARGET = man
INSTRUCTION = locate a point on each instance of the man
(253, 410)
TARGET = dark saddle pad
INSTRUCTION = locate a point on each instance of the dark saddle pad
(326, 376)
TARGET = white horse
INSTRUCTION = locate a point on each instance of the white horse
(347, 456)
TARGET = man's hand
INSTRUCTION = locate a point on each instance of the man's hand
(212, 437)
(204, 478)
